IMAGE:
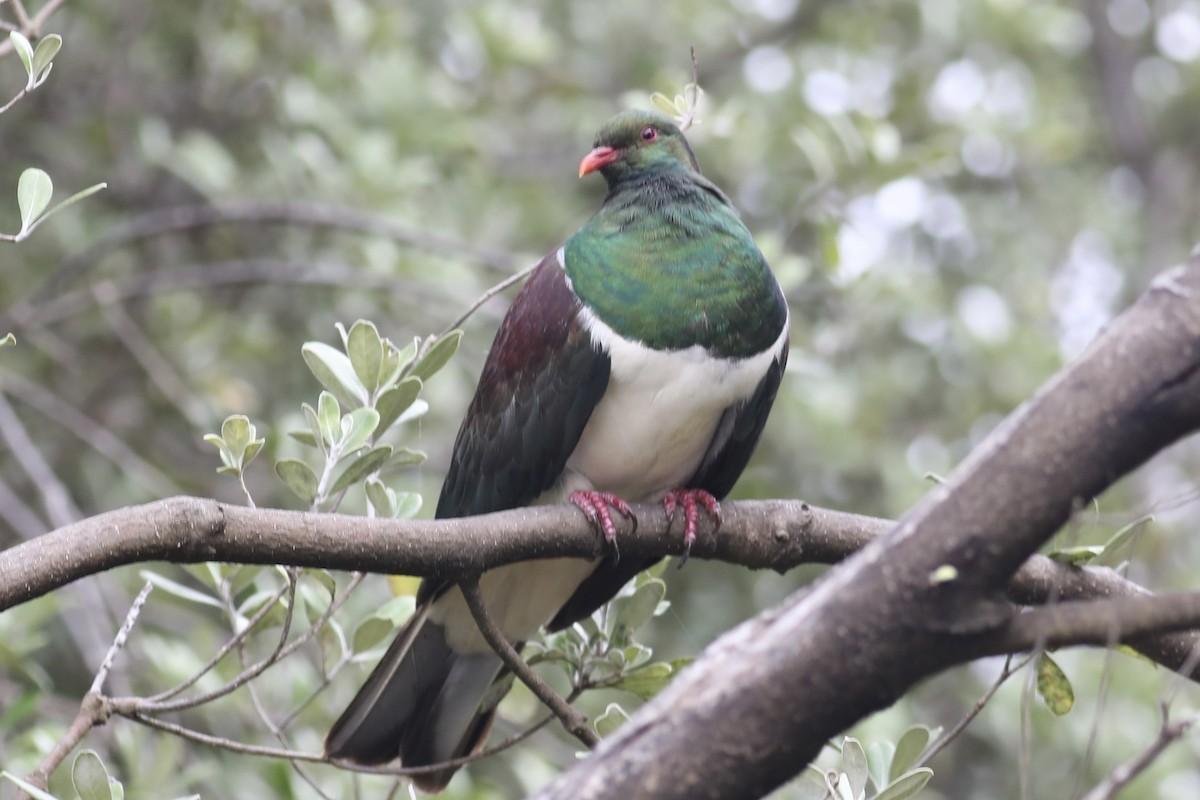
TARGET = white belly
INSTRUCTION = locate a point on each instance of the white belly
(657, 419)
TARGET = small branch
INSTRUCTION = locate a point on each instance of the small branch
(31, 26)
(575, 723)
(952, 734)
(235, 641)
(1123, 774)
(471, 309)
(135, 610)
(93, 710)
(10, 237)
(1097, 622)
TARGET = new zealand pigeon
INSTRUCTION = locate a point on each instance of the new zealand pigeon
(638, 363)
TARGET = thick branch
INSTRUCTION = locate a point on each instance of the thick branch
(776, 534)
(768, 694)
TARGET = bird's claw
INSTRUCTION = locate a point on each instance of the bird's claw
(692, 501)
(595, 506)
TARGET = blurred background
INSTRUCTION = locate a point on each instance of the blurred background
(956, 197)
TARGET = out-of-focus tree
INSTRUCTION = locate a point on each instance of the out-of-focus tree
(956, 196)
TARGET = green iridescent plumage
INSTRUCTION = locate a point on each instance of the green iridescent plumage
(667, 261)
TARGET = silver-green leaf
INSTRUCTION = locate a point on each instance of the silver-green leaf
(299, 477)
(34, 190)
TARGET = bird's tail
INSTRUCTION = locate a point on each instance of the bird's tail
(421, 703)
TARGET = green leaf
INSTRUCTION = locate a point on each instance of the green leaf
(381, 497)
(810, 785)
(649, 680)
(375, 628)
(1054, 686)
(440, 353)
(854, 764)
(911, 745)
(329, 418)
(314, 426)
(407, 505)
(179, 590)
(406, 457)
(90, 777)
(236, 431)
(1076, 556)
(405, 356)
(880, 757)
(34, 190)
(27, 787)
(907, 785)
(299, 477)
(46, 50)
(1113, 549)
(25, 53)
(304, 437)
(361, 467)
(636, 610)
(370, 632)
(663, 104)
(613, 717)
(327, 581)
(357, 427)
(335, 372)
(393, 402)
(365, 350)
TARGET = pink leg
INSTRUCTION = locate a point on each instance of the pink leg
(595, 506)
(691, 500)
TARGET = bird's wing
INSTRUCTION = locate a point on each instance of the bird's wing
(542, 380)
(737, 434)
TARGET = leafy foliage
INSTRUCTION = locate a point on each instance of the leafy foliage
(941, 187)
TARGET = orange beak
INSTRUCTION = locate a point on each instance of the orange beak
(597, 159)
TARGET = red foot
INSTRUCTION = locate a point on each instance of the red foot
(595, 505)
(691, 500)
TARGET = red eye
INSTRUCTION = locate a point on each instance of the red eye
(649, 133)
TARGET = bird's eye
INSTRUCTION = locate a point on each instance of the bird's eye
(649, 133)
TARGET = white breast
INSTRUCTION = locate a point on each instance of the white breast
(657, 419)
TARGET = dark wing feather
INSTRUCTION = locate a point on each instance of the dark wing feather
(542, 380)
(737, 435)
(733, 443)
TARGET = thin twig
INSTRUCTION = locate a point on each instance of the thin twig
(3, 108)
(226, 648)
(135, 610)
(33, 25)
(93, 710)
(1124, 773)
(471, 309)
(945, 739)
(248, 674)
(575, 723)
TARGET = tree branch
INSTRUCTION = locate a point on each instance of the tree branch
(574, 721)
(769, 693)
(772, 534)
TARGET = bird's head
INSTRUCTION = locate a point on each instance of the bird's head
(634, 141)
